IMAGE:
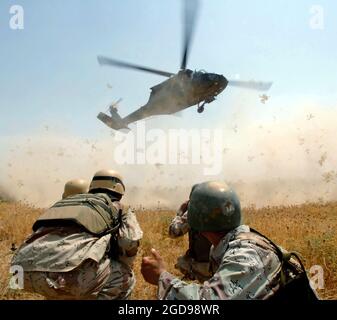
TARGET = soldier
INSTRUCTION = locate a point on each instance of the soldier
(195, 263)
(246, 265)
(76, 186)
(84, 246)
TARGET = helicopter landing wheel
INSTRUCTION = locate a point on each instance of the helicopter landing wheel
(201, 109)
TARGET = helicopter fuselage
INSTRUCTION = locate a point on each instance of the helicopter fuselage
(181, 91)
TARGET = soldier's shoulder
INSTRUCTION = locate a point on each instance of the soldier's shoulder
(257, 242)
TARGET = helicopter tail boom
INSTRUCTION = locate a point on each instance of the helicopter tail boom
(114, 122)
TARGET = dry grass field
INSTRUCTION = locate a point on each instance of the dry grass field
(309, 229)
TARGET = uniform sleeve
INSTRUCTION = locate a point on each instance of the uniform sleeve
(129, 237)
(240, 276)
(179, 225)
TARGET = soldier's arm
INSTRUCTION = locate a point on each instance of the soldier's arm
(179, 225)
(241, 275)
(129, 237)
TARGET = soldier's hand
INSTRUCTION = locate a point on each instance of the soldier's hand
(183, 208)
(152, 267)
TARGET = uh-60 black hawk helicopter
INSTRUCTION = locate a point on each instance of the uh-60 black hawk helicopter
(180, 91)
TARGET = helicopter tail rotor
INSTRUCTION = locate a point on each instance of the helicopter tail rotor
(114, 122)
(254, 85)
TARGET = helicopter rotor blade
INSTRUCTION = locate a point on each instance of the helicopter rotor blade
(118, 101)
(190, 17)
(112, 62)
(115, 104)
(254, 85)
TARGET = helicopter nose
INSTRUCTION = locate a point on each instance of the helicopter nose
(222, 82)
(219, 84)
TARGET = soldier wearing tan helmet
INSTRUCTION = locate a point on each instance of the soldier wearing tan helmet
(107, 181)
(84, 246)
(75, 186)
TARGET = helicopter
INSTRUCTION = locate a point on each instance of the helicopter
(180, 91)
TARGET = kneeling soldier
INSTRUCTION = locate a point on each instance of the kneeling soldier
(246, 264)
(84, 246)
(194, 264)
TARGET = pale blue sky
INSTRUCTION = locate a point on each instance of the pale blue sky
(49, 72)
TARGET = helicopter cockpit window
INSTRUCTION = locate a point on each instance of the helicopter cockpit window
(212, 77)
(197, 75)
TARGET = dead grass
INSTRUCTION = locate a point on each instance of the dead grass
(309, 229)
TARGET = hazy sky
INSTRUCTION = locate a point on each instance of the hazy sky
(50, 75)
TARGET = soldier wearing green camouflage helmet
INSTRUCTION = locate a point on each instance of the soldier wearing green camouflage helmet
(194, 264)
(245, 264)
(84, 246)
(213, 206)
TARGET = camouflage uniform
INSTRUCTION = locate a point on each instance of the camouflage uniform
(186, 264)
(179, 225)
(67, 263)
(242, 270)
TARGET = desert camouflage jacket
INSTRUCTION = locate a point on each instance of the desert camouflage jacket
(179, 225)
(63, 249)
(242, 270)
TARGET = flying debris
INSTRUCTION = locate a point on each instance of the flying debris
(323, 158)
(13, 247)
(181, 90)
(301, 141)
(329, 176)
(264, 98)
(235, 128)
(158, 165)
(20, 183)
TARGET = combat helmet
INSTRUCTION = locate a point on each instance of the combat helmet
(107, 180)
(214, 207)
(75, 186)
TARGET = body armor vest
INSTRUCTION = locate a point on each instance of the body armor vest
(290, 281)
(96, 213)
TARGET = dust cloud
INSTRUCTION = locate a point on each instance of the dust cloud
(283, 158)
